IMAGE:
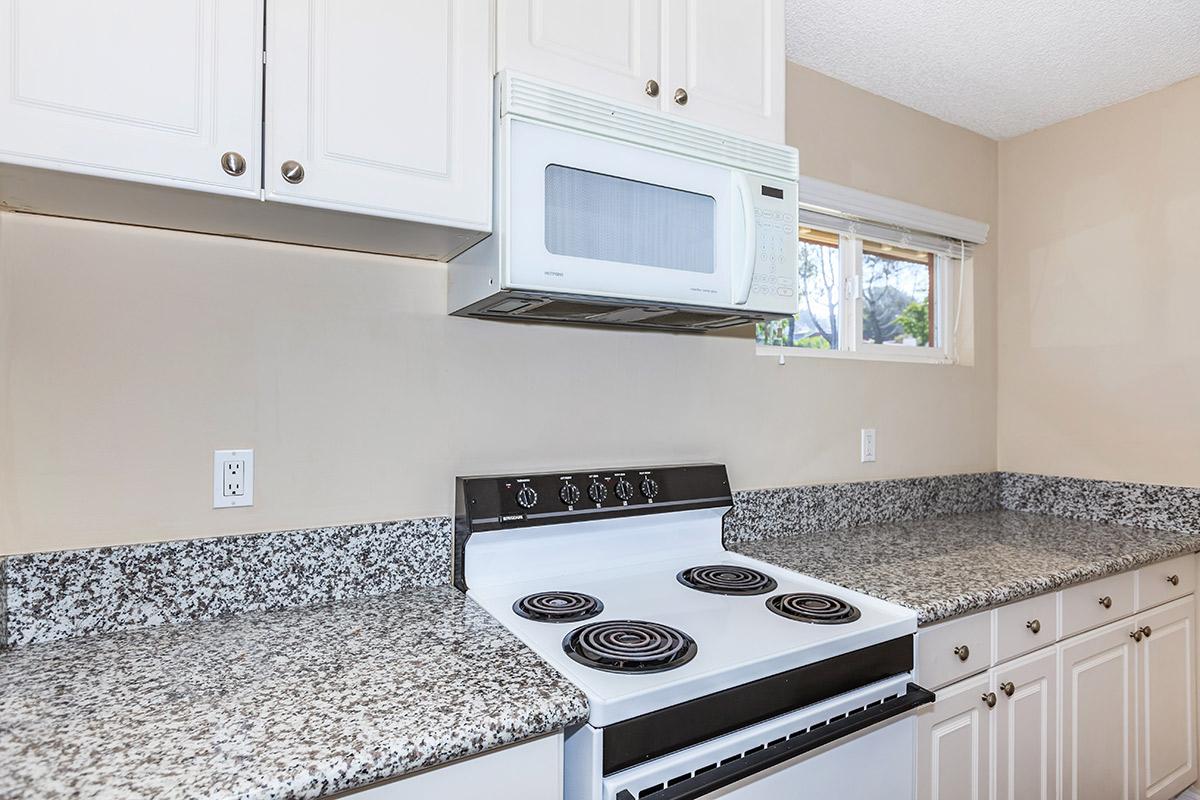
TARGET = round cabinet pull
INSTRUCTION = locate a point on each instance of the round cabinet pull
(292, 171)
(681, 96)
(1106, 601)
(1173, 580)
(652, 87)
(1146, 631)
(963, 652)
(989, 698)
(1008, 688)
(1136, 635)
(233, 163)
(1035, 626)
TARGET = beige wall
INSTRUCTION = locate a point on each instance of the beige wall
(128, 355)
(1099, 294)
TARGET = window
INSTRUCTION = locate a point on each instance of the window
(877, 297)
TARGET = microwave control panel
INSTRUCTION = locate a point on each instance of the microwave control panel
(776, 274)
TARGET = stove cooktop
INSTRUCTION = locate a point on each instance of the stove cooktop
(651, 640)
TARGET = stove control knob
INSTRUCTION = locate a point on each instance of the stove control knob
(597, 492)
(569, 494)
(526, 497)
(624, 489)
(649, 488)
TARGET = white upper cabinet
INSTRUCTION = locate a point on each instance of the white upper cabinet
(712, 61)
(610, 48)
(724, 64)
(143, 90)
(381, 107)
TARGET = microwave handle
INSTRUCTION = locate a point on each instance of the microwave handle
(741, 289)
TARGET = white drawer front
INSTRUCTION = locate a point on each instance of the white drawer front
(952, 650)
(1166, 580)
(1090, 605)
(1025, 626)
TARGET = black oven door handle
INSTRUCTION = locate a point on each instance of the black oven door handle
(719, 777)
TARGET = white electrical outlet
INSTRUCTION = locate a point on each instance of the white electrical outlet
(233, 478)
(868, 445)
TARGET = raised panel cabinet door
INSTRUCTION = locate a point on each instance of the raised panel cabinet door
(381, 107)
(954, 744)
(611, 48)
(1167, 700)
(1097, 671)
(141, 90)
(1026, 743)
(725, 65)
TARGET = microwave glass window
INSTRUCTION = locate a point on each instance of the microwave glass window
(606, 218)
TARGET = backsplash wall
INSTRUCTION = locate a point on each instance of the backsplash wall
(128, 355)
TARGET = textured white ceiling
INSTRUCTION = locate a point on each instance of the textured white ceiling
(999, 67)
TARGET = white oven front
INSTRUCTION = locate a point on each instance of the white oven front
(857, 759)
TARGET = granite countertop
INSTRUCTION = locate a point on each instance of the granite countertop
(286, 704)
(952, 565)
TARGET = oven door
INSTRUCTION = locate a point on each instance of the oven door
(859, 746)
(593, 216)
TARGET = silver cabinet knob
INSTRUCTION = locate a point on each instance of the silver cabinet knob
(963, 652)
(652, 87)
(1136, 635)
(292, 171)
(681, 96)
(1173, 580)
(1106, 601)
(233, 163)
(1008, 688)
(989, 698)
(1035, 626)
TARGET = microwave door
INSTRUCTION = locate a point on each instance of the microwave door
(592, 216)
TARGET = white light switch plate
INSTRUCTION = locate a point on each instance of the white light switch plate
(868, 445)
(233, 478)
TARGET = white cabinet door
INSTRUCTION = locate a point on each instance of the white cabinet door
(610, 48)
(1026, 734)
(142, 90)
(1098, 686)
(385, 106)
(1167, 700)
(729, 59)
(954, 744)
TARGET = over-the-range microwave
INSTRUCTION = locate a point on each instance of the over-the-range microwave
(610, 214)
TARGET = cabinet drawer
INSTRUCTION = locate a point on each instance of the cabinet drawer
(1166, 580)
(1096, 603)
(1025, 626)
(953, 650)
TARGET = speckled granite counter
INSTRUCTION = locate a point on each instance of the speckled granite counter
(289, 704)
(951, 565)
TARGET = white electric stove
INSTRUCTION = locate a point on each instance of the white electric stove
(707, 673)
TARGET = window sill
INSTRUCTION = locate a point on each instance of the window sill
(780, 352)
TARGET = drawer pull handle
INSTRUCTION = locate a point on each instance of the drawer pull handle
(1136, 635)
(989, 698)
(1173, 580)
(1146, 631)
(963, 652)
(1106, 601)
(1035, 626)
(1008, 688)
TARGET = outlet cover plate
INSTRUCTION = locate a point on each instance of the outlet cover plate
(222, 459)
(868, 445)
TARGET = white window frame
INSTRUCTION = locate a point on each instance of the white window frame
(839, 201)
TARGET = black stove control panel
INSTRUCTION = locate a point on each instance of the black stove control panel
(494, 502)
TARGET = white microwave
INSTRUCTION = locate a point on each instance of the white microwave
(609, 214)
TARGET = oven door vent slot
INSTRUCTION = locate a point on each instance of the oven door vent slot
(711, 777)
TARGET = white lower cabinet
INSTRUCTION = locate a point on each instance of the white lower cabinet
(1105, 715)
(1025, 734)
(954, 743)
(527, 771)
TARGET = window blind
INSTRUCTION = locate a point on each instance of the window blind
(878, 231)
